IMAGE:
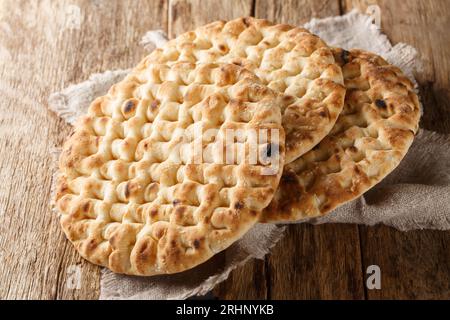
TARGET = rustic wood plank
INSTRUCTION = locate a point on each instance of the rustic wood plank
(40, 53)
(185, 15)
(295, 12)
(317, 262)
(246, 282)
(415, 265)
(312, 262)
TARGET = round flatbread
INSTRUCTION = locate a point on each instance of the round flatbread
(134, 193)
(287, 59)
(372, 135)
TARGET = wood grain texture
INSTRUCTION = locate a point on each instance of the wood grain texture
(296, 12)
(415, 265)
(246, 282)
(40, 55)
(185, 15)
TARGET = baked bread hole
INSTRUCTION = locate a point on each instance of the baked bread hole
(116, 170)
(116, 130)
(318, 155)
(184, 215)
(222, 48)
(307, 180)
(118, 211)
(92, 188)
(219, 218)
(281, 86)
(373, 131)
(123, 149)
(132, 214)
(169, 112)
(351, 71)
(355, 154)
(202, 44)
(163, 131)
(132, 128)
(100, 125)
(309, 72)
(170, 54)
(229, 181)
(268, 43)
(333, 165)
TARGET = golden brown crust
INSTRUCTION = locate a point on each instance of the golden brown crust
(371, 136)
(287, 59)
(132, 196)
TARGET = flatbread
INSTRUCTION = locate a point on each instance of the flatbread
(288, 59)
(133, 194)
(370, 138)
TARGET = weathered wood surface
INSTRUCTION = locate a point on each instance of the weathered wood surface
(40, 54)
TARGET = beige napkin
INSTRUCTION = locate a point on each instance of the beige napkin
(414, 196)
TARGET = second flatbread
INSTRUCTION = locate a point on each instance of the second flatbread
(370, 138)
(287, 59)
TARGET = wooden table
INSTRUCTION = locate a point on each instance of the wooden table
(41, 53)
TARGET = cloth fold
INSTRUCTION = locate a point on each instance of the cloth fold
(414, 196)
